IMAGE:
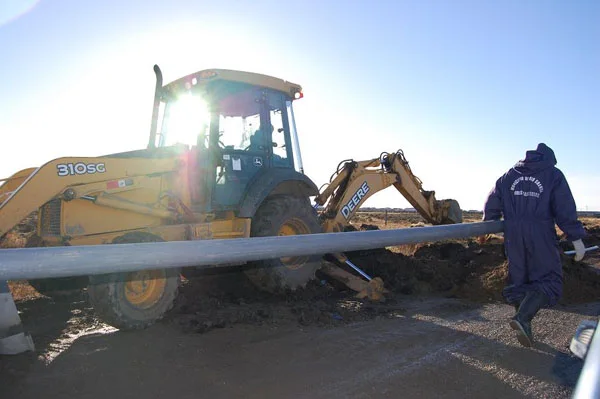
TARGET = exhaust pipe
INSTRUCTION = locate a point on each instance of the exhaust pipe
(156, 105)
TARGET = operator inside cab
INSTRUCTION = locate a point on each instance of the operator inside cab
(260, 138)
(257, 141)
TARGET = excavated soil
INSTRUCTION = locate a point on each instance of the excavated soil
(458, 269)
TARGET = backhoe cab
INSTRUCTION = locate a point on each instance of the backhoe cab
(222, 162)
(238, 126)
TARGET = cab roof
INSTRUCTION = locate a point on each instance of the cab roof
(212, 75)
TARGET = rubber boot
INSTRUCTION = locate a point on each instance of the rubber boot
(516, 304)
(513, 299)
(521, 322)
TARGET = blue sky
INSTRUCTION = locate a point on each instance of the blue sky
(464, 88)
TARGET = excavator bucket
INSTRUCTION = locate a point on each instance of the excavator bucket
(450, 210)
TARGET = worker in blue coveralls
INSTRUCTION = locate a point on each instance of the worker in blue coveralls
(532, 196)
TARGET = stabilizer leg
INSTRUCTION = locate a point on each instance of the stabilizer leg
(13, 339)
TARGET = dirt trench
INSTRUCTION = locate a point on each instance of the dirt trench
(460, 269)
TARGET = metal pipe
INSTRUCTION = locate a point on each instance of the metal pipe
(352, 265)
(595, 247)
(588, 382)
(46, 262)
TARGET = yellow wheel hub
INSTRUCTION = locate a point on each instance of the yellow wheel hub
(291, 228)
(144, 288)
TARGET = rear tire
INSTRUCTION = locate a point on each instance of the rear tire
(284, 215)
(134, 300)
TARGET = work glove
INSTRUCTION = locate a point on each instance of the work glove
(579, 249)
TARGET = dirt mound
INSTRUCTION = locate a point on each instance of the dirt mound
(221, 300)
(465, 269)
(471, 272)
(459, 269)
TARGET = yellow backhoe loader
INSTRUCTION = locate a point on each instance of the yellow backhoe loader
(222, 162)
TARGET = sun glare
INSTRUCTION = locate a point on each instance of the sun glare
(188, 118)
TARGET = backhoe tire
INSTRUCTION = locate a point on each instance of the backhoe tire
(55, 288)
(284, 215)
(134, 300)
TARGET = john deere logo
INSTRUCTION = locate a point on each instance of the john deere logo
(355, 200)
(258, 161)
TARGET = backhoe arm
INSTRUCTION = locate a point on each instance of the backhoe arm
(354, 182)
(7, 186)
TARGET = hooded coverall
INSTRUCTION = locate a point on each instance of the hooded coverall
(532, 196)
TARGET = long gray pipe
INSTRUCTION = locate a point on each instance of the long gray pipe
(33, 263)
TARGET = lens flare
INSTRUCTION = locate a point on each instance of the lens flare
(11, 10)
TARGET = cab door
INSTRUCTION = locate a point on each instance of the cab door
(242, 148)
(280, 152)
